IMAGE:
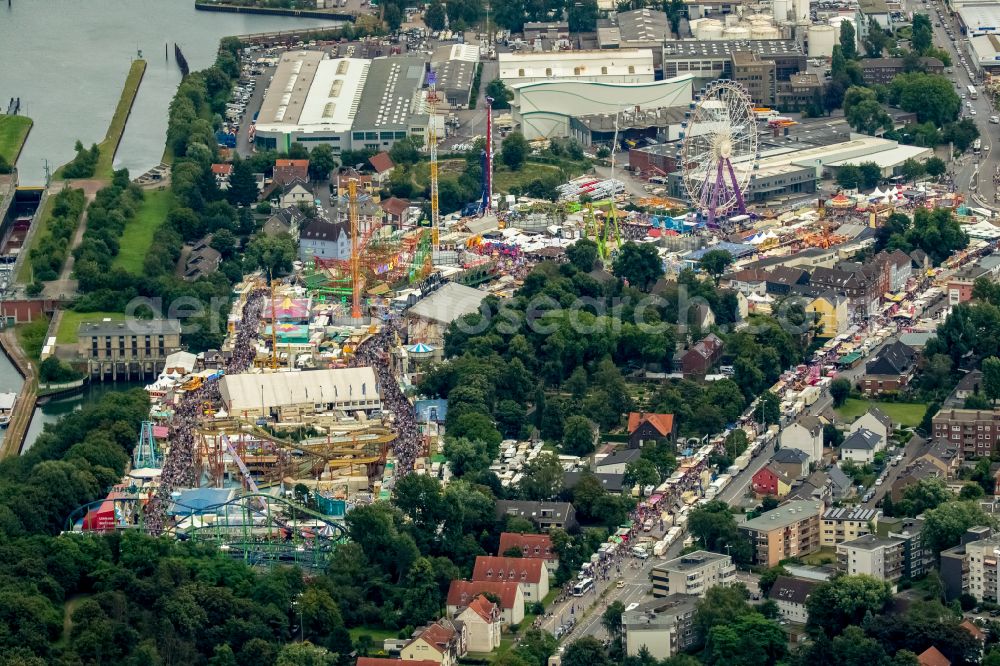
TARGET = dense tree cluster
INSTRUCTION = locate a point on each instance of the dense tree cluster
(936, 232)
(49, 254)
(84, 163)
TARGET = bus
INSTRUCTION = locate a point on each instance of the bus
(584, 586)
(977, 146)
(973, 93)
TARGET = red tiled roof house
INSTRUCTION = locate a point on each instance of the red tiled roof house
(462, 592)
(530, 574)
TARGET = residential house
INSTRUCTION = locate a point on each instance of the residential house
(917, 558)
(816, 487)
(920, 262)
(443, 642)
(791, 595)
(933, 657)
(881, 71)
(535, 546)
(395, 211)
(782, 280)
(201, 260)
(545, 515)
(970, 384)
(644, 427)
(943, 455)
(613, 483)
(383, 166)
(975, 431)
(320, 239)
(872, 555)
(899, 266)
(222, 172)
(891, 370)
(861, 446)
(911, 475)
(664, 627)
(617, 461)
(831, 311)
(770, 481)
(287, 171)
(386, 661)
(840, 524)
(841, 485)
(482, 620)
(749, 281)
(791, 530)
(530, 574)
(284, 221)
(462, 592)
(697, 360)
(806, 435)
(874, 420)
(794, 463)
(863, 293)
(693, 573)
(364, 183)
(294, 193)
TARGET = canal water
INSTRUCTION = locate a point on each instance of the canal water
(67, 61)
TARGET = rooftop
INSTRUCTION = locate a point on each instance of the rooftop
(130, 327)
(253, 391)
(861, 440)
(847, 513)
(665, 610)
(643, 25)
(793, 590)
(784, 516)
(681, 49)
(695, 560)
(448, 303)
(390, 91)
(871, 542)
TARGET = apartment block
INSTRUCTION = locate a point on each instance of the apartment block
(692, 574)
(791, 530)
(974, 431)
(842, 524)
(871, 555)
(982, 558)
(917, 558)
(971, 570)
(663, 626)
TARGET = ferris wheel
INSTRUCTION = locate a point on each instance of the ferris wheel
(718, 152)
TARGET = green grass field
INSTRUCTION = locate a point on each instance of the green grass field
(24, 272)
(71, 320)
(138, 235)
(32, 337)
(504, 179)
(13, 132)
(378, 634)
(909, 414)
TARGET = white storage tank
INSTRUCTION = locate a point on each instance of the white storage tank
(764, 32)
(821, 40)
(781, 9)
(709, 29)
(801, 10)
(736, 32)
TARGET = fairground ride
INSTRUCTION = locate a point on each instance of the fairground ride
(719, 149)
(402, 256)
(257, 528)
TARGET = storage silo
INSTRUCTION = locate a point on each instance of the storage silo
(821, 40)
(709, 29)
(764, 31)
(736, 33)
(782, 10)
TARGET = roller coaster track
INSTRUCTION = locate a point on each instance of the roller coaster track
(257, 528)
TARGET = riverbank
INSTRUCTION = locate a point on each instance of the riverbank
(14, 132)
(333, 15)
(27, 397)
(112, 138)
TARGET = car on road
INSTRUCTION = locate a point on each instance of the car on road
(620, 584)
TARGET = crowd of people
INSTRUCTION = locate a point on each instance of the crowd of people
(374, 352)
(178, 470)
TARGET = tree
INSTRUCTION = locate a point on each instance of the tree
(583, 16)
(844, 601)
(715, 263)
(768, 578)
(923, 34)
(715, 527)
(961, 133)
(875, 39)
(935, 167)
(405, 151)
(911, 170)
(751, 640)
(848, 40)
(321, 162)
(501, 94)
(930, 96)
(542, 478)
(272, 254)
(945, 524)
(991, 378)
(768, 408)
(922, 496)
(840, 391)
(578, 436)
(582, 254)
(832, 436)
(871, 174)
(971, 491)
(242, 184)
(641, 473)
(868, 116)
(514, 151)
(611, 619)
(434, 17)
(849, 177)
(639, 264)
(305, 654)
(393, 17)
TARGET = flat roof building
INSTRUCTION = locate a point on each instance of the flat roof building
(711, 60)
(842, 524)
(290, 395)
(693, 574)
(617, 66)
(791, 530)
(871, 555)
(663, 626)
(347, 103)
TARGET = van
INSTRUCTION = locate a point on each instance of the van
(995, 120)
(658, 180)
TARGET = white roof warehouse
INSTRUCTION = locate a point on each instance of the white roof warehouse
(343, 389)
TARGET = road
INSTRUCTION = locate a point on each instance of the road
(972, 174)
